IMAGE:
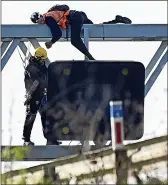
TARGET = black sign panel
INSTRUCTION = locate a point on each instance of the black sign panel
(79, 93)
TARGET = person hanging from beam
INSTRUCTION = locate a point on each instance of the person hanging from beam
(35, 79)
(61, 16)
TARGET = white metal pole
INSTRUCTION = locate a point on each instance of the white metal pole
(117, 135)
(117, 125)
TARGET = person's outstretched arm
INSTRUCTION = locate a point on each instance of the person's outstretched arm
(55, 31)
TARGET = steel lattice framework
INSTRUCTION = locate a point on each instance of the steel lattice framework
(16, 35)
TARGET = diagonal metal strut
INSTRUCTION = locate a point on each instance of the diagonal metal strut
(9, 53)
(156, 73)
(4, 46)
(24, 48)
(155, 58)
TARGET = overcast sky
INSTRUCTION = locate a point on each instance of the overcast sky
(141, 12)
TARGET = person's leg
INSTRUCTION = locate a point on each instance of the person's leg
(124, 20)
(119, 19)
(31, 111)
(86, 19)
(112, 22)
(76, 22)
(43, 121)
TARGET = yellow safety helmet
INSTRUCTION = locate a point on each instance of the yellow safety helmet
(41, 53)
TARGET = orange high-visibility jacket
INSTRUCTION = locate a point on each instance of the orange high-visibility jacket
(59, 16)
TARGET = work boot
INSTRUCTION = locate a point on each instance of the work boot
(49, 142)
(124, 20)
(28, 143)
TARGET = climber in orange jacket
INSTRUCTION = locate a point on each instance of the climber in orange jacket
(55, 19)
(60, 16)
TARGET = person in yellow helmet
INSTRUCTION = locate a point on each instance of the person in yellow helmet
(35, 78)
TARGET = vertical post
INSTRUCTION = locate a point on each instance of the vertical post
(86, 144)
(86, 39)
(117, 135)
(117, 127)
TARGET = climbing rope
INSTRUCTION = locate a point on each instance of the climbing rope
(26, 56)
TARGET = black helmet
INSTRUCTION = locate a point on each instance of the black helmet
(35, 17)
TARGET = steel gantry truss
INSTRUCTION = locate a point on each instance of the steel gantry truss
(16, 35)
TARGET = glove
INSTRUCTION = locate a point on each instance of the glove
(48, 44)
(28, 98)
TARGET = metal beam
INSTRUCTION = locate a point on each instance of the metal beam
(8, 54)
(156, 73)
(96, 32)
(155, 58)
(69, 39)
(43, 153)
(86, 39)
(36, 44)
(4, 46)
(138, 32)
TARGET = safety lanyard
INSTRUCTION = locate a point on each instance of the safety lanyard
(26, 56)
(24, 60)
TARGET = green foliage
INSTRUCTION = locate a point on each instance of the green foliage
(124, 182)
(22, 171)
(3, 179)
(22, 181)
(18, 153)
(45, 181)
(15, 153)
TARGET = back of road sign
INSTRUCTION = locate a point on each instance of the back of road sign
(79, 93)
